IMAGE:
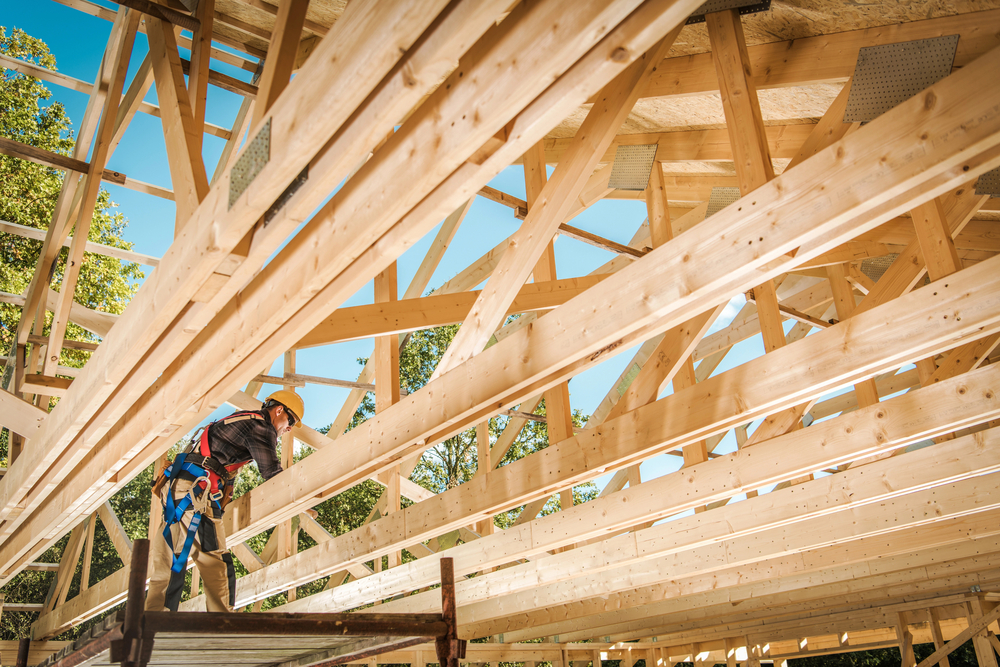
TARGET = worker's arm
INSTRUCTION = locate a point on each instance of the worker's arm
(263, 448)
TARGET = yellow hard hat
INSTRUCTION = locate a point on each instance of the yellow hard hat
(291, 401)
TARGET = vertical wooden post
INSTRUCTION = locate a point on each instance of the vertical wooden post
(976, 608)
(447, 646)
(905, 638)
(23, 646)
(88, 553)
(288, 535)
(386, 356)
(129, 653)
(935, 623)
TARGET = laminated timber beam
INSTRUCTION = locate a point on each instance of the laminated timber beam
(524, 480)
(917, 520)
(942, 570)
(858, 206)
(642, 28)
(581, 599)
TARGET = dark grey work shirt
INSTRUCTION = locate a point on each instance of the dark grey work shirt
(244, 439)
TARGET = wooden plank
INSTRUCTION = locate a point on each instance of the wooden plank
(45, 74)
(784, 142)
(708, 543)
(96, 248)
(119, 538)
(20, 416)
(183, 138)
(411, 314)
(934, 235)
(45, 385)
(201, 51)
(50, 159)
(281, 55)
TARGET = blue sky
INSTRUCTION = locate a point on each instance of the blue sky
(77, 40)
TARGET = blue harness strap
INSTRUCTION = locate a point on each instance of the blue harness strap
(173, 511)
(206, 480)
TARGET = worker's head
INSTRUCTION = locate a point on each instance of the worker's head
(286, 409)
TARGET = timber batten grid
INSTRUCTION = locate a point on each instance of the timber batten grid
(787, 333)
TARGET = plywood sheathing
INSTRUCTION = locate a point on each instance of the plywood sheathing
(807, 18)
(779, 106)
(323, 12)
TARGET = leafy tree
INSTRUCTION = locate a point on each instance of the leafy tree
(28, 193)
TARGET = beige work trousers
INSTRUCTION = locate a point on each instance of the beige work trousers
(213, 560)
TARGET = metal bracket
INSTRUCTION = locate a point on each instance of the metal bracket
(250, 163)
(889, 74)
(745, 7)
(720, 199)
(989, 183)
(632, 166)
(290, 191)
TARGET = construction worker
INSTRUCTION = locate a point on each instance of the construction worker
(195, 489)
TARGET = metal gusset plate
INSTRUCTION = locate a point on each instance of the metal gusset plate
(720, 199)
(890, 74)
(745, 7)
(256, 155)
(875, 267)
(632, 167)
(989, 183)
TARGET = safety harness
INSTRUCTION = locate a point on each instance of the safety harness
(208, 474)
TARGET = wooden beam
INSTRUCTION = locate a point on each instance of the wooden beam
(280, 55)
(20, 416)
(55, 160)
(183, 138)
(201, 51)
(438, 309)
(162, 13)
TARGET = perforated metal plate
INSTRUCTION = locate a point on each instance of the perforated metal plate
(720, 199)
(890, 74)
(627, 380)
(989, 183)
(745, 7)
(250, 163)
(875, 267)
(632, 166)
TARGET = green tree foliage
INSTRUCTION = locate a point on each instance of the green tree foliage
(28, 193)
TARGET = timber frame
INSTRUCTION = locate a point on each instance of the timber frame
(858, 507)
